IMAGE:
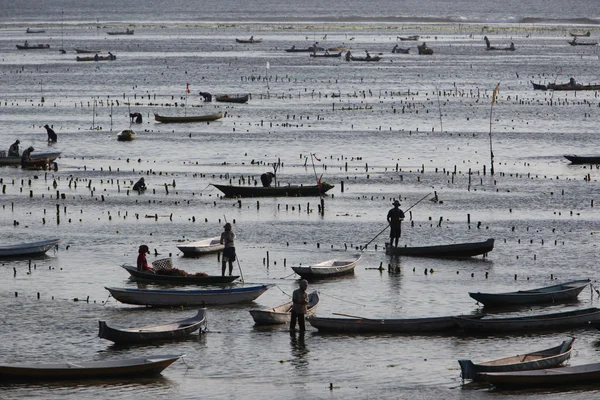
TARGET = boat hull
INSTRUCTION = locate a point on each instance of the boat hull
(170, 279)
(460, 250)
(580, 374)
(283, 314)
(276, 191)
(328, 268)
(201, 247)
(27, 249)
(583, 159)
(16, 160)
(193, 118)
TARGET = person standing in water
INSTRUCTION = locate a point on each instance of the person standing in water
(394, 218)
(227, 239)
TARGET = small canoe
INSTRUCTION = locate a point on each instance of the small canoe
(564, 376)
(570, 86)
(311, 49)
(33, 46)
(16, 160)
(86, 51)
(29, 30)
(326, 55)
(365, 59)
(282, 314)
(171, 331)
(27, 249)
(374, 325)
(125, 32)
(459, 250)
(581, 159)
(411, 37)
(142, 367)
(201, 247)
(549, 294)
(189, 118)
(126, 136)
(532, 323)
(110, 57)
(575, 42)
(175, 297)
(539, 86)
(249, 41)
(325, 269)
(573, 34)
(274, 191)
(237, 98)
(173, 279)
(548, 358)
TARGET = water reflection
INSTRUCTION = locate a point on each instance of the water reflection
(299, 350)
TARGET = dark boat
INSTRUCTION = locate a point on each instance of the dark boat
(571, 86)
(459, 250)
(532, 323)
(489, 47)
(144, 334)
(565, 376)
(326, 54)
(548, 358)
(412, 37)
(400, 50)
(538, 86)
(33, 46)
(276, 191)
(110, 57)
(583, 159)
(249, 41)
(310, 49)
(189, 118)
(365, 59)
(125, 32)
(237, 98)
(172, 279)
(29, 30)
(86, 51)
(549, 294)
(574, 42)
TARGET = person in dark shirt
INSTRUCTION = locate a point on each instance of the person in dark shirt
(395, 217)
(52, 137)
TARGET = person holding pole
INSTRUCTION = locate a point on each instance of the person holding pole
(395, 217)
(227, 239)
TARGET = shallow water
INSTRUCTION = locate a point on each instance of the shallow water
(407, 126)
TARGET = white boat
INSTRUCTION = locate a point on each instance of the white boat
(174, 297)
(201, 247)
(16, 160)
(328, 268)
(27, 249)
(143, 367)
(282, 314)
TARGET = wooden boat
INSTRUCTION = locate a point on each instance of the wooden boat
(328, 268)
(110, 57)
(575, 42)
(29, 30)
(400, 50)
(374, 325)
(174, 297)
(249, 41)
(282, 314)
(236, 98)
(171, 331)
(125, 32)
(583, 159)
(587, 34)
(570, 86)
(126, 136)
(201, 247)
(173, 279)
(549, 294)
(342, 48)
(142, 367)
(326, 54)
(411, 37)
(86, 51)
(532, 323)
(489, 47)
(310, 49)
(189, 118)
(564, 376)
(458, 250)
(548, 358)
(424, 50)
(33, 46)
(16, 160)
(274, 191)
(27, 249)
(538, 86)
(365, 59)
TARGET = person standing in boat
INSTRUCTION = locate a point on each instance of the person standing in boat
(52, 136)
(395, 217)
(13, 150)
(267, 178)
(227, 239)
(299, 306)
(142, 262)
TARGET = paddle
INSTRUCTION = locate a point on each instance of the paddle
(365, 246)
(236, 257)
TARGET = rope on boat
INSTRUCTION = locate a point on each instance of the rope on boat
(285, 277)
(347, 301)
(106, 301)
(277, 286)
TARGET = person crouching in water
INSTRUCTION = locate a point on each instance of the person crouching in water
(299, 306)
(52, 137)
(227, 239)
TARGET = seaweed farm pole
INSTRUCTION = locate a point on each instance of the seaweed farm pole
(267, 73)
(494, 95)
(439, 107)
(187, 91)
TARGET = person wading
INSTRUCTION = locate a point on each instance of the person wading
(395, 217)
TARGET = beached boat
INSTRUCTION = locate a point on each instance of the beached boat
(126, 136)
(144, 334)
(175, 279)
(86, 51)
(274, 191)
(27, 249)
(411, 37)
(125, 32)
(142, 367)
(579, 159)
(365, 59)
(549, 294)
(189, 118)
(575, 34)
(174, 297)
(576, 42)
(326, 55)
(33, 46)
(310, 49)
(548, 358)
(109, 57)
(29, 30)
(249, 41)
(386, 325)
(325, 269)
(532, 323)
(282, 314)
(16, 160)
(233, 98)
(458, 250)
(201, 247)
(564, 376)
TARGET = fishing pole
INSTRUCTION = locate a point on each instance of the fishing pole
(383, 230)
(236, 257)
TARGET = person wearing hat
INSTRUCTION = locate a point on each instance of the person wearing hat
(13, 150)
(395, 217)
(227, 239)
(142, 263)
